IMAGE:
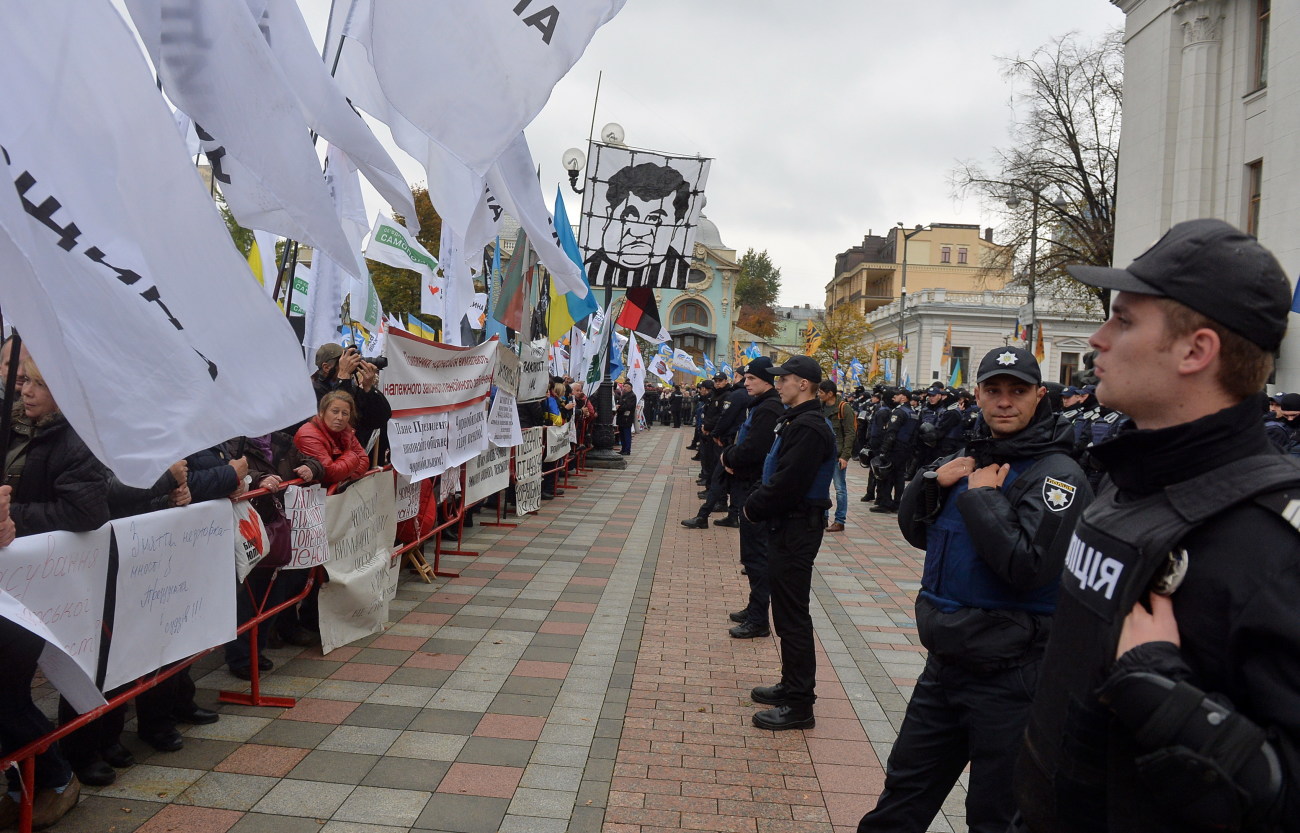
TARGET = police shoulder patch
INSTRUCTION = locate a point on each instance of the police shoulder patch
(1057, 494)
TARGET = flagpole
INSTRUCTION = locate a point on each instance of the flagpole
(11, 381)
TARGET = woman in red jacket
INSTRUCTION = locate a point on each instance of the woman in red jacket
(330, 438)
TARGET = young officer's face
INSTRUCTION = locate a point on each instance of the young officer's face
(1008, 404)
(1134, 361)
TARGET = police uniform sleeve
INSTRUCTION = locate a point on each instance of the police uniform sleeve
(803, 449)
(1228, 759)
(890, 434)
(1025, 543)
(748, 454)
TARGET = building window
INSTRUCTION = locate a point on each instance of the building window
(1069, 366)
(1254, 187)
(1259, 71)
(696, 276)
(963, 255)
(690, 312)
(960, 358)
(945, 254)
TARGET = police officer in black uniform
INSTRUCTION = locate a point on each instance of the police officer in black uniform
(994, 520)
(1170, 693)
(792, 503)
(897, 445)
(883, 400)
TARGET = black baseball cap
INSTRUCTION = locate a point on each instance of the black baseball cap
(1009, 361)
(1290, 401)
(802, 366)
(1211, 267)
(719, 377)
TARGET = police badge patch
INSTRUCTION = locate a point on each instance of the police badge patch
(1057, 494)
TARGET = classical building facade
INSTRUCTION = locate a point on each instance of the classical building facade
(980, 320)
(942, 256)
(1212, 127)
(701, 318)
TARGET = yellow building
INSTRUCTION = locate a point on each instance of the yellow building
(940, 256)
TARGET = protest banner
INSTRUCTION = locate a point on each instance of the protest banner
(528, 473)
(305, 508)
(252, 542)
(487, 474)
(175, 587)
(408, 498)
(467, 433)
(506, 377)
(54, 587)
(503, 421)
(534, 376)
(449, 484)
(419, 444)
(363, 576)
(424, 377)
(557, 441)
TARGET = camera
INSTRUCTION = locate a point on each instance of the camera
(380, 362)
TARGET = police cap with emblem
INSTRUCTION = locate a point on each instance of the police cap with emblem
(1009, 361)
(1213, 268)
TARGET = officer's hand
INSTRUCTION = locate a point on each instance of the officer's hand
(1141, 627)
(991, 475)
(951, 472)
(844, 464)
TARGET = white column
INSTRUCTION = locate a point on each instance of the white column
(1193, 181)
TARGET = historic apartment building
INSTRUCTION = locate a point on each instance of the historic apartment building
(1211, 127)
(941, 256)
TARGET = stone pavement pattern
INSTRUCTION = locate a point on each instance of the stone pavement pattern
(577, 677)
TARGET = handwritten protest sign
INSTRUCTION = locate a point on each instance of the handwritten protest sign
(557, 442)
(305, 508)
(408, 498)
(503, 421)
(449, 484)
(528, 473)
(467, 433)
(54, 587)
(419, 444)
(361, 522)
(175, 587)
(424, 377)
(506, 377)
(535, 376)
(487, 474)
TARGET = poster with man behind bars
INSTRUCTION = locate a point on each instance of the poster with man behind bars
(639, 213)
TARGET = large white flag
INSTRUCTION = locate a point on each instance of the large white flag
(495, 64)
(215, 64)
(635, 368)
(513, 180)
(333, 281)
(325, 108)
(391, 244)
(458, 272)
(118, 270)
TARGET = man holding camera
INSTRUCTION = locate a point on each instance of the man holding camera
(347, 370)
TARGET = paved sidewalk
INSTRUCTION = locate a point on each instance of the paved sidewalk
(577, 677)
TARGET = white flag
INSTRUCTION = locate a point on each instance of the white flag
(513, 180)
(495, 64)
(325, 108)
(331, 281)
(635, 369)
(118, 270)
(458, 280)
(659, 366)
(391, 244)
(217, 67)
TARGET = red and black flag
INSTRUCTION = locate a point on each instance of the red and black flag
(641, 313)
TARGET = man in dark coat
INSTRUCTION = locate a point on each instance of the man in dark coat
(624, 416)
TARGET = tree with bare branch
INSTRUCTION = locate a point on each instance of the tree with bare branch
(1065, 147)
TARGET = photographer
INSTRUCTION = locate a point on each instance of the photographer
(348, 371)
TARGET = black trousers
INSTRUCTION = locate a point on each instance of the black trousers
(955, 717)
(21, 722)
(753, 557)
(792, 547)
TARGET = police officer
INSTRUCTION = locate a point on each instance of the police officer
(875, 435)
(950, 426)
(743, 461)
(1169, 698)
(927, 438)
(1282, 426)
(995, 521)
(792, 503)
(897, 446)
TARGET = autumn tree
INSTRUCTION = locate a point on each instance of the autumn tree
(1064, 146)
(844, 333)
(757, 288)
(399, 289)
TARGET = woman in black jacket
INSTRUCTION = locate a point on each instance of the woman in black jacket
(57, 485)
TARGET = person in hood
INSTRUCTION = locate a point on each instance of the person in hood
(994, 519)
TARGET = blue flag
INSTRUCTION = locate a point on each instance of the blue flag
(1295, 299)
(579, 308)
(709, 367)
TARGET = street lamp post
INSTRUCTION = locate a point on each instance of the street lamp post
(604, 436)
(1036, 194)
(902, 294)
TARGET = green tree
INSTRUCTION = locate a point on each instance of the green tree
(844, 334)
(757, 288)
(399, 289)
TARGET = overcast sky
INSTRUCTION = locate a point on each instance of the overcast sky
(825, 118)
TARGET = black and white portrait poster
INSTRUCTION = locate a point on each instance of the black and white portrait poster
(639, 213)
